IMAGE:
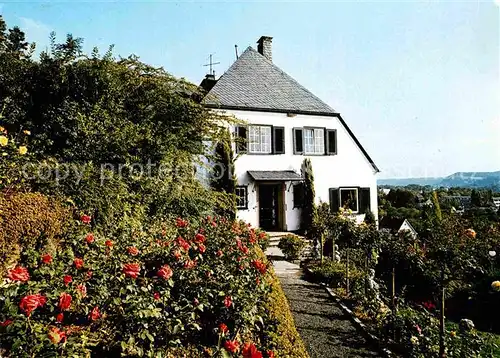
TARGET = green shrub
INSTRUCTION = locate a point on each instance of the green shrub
(29, 221)
(292, 246)
(333, 273)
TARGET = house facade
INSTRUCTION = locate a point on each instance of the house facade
(283, 123)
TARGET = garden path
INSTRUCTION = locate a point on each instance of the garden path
(325, 329)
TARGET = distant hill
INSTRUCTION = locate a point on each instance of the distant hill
(459, 179)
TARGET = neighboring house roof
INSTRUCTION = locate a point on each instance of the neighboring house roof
(394, 224)
(254, 83)
(278, 175)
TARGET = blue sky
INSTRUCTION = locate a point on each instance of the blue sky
(417, 82)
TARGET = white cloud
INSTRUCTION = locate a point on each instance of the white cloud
(37, 32)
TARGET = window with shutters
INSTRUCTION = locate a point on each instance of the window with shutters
(241, 192)
(349, 198)
(259, 139)
(278, 140)
(331, 141)
(314, 141)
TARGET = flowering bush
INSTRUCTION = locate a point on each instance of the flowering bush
(203, 283)
(292, 246)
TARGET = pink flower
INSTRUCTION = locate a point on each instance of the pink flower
(90, 238)
(156, 296)
(19, 273)
(228, 301)
(202, 248)
(82, 289)
(165, 272)
(419, 330)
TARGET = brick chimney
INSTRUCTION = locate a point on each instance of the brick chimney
(265, 47)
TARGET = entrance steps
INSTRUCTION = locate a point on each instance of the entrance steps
(274, 239)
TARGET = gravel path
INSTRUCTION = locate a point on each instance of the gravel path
(324, 328)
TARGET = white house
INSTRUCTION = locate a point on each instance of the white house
(394, 226)
(286, 123)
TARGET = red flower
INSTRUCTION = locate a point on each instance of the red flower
(165, 272)
(270, 354)
(260, 266)
(429, 305)
(56, 335)
(262, 235)
(202, 248)
(232, 346)
(64, 301)
(89, 275)
(131, 270)
(183, 243)
(82, 289)
(156, 296)
(199, 238)
(228, 301)
(46, 259)
(180, 222)
(6, 323)
(132, 250)
(85, 219)
(219, 253)
(60, 317)
(250, 351)
(189, 264)
(214, 224)
(31, 302)
(223, 328)
(78, 263)
(109, 243)
(67, 279)
(95, 314)
(19, 273)
(90, 238)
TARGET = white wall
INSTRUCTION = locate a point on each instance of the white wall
(347, 168)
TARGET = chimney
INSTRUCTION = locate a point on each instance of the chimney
(265, 47)
(208, 82)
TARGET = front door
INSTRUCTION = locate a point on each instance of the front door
(269, 195)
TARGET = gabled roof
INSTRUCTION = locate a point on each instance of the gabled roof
(394, 224)
(255, 82)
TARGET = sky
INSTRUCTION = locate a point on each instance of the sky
(417, 82)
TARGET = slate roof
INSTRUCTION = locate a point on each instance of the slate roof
(276, 175)
(391, 223)
(255, 82)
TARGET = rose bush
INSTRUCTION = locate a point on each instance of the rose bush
(204, 283)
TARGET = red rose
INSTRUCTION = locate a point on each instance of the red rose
(89, 274)
(228, 301)
(64, 301)
(56, 335)
(202, 248)
(180, 222)
(156, 296)
(165, 272)
(67, 279)
(6, 323)
(132, 250)
(232, 346)
(78, 263)
(250, 351)
(183, 243)
(219, 253)
(260, 266)
(90, 238)
(109, 243)
(95, 314)
(82, 289)
(131, 270)
(31, 302)
(223, 328)
(85, 219)
(60, 317)
(200, 238)
(19, 273)
(214, 224)
(262, 235)
(270, 354)
(46, 259)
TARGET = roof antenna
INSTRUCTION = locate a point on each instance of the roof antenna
(236, 50)
(211, 64)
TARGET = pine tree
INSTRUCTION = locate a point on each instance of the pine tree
(309, 208)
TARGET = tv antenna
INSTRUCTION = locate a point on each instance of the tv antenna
(211, 64)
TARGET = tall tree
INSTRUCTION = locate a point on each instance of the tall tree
(309, 208)
(16, 41)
